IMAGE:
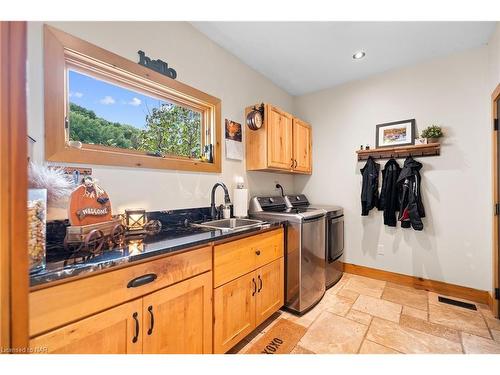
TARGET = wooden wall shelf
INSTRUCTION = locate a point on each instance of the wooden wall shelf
(432, 149)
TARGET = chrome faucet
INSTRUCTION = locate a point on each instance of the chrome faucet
(213, 211)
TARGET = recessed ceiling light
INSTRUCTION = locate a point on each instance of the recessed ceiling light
(359, 55)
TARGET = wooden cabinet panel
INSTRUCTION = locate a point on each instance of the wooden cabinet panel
(178, 319)
(234, 312)
(302, 146)
(58, 305)
(268, 247)
(236, 258)
(270, 290)
(279, 133)
(109, 332)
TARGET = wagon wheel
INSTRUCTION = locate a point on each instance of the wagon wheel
(94, 242)
(117, 235)
(73, 249)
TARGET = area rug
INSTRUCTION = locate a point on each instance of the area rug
(280, 339)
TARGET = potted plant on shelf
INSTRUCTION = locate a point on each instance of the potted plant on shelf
(432, 133)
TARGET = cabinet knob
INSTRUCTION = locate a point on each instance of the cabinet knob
(257, 252)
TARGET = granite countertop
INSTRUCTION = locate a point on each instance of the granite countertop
(174, 236)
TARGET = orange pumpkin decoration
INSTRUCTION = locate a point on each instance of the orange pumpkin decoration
(89, 204)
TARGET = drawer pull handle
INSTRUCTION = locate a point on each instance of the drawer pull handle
(142, 280)
(254, 287)
(150, 330)
(136, 336)
(257, 252)
(261, 284)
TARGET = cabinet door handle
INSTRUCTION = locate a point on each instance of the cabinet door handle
(257, 252)
(291, 166)
(152, 324)
(136, 336)
(261, 284)
(296, 163)
(254, 287)
(142, 280)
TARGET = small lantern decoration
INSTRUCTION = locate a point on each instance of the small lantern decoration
(135, 219)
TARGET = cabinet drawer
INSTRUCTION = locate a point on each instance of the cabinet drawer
(61, 304)
(236, 258)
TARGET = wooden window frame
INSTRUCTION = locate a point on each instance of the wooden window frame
(63, 51)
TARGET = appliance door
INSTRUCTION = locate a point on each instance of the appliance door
(335, 239)
(312, 264)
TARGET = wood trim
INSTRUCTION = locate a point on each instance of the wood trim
(494, 305)
(452, 290)
(13, 187)
(431, 149)
(61, 49)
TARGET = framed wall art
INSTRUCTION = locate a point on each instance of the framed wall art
(395, 134)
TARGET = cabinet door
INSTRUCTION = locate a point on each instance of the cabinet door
(114, 331)
(234, 311)
(302, 146)
(178, 319)
(279, 133)
(270, 290)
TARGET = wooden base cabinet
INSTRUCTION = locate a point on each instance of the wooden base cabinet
(178, 319)
(244, 303)
(270, 290)
(175, 319)
(234, 312)
(114, 331)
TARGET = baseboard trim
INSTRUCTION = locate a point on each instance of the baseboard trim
(452, 290)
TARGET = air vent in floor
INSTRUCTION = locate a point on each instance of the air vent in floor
(454, 302)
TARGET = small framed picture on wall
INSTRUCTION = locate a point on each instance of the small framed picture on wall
(395, 134)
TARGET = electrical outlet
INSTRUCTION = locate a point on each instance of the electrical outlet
(380, 249)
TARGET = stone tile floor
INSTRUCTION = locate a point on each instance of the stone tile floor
(367, 316)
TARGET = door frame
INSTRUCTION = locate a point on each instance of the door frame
(14, 276)
(494, 305)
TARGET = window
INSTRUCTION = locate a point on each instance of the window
(122, 113)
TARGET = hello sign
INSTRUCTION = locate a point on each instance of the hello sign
(157, 65)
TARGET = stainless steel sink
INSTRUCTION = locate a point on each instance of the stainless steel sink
(232, 224)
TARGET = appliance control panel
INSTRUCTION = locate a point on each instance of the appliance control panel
(297, 200)
(272, 203)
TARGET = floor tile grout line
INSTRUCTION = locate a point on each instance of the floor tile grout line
(364, 336)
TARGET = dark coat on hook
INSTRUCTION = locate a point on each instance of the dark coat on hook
(369, 190)
(390, 192)
(411, 210)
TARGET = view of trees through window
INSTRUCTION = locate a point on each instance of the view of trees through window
(102, 113)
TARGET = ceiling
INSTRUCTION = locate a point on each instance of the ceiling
(303, 57)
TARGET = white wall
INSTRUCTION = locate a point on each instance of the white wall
(494, 58)
(455, 245)
(200, 63)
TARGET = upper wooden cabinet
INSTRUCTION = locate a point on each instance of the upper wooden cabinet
(282, 144)
(279, 138)
(302, 145)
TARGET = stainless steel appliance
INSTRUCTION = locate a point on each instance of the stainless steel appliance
(334, 235)
(305, 250)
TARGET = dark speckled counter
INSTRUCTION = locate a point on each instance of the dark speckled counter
(178, 234)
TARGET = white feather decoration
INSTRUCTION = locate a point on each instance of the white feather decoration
(58, 184)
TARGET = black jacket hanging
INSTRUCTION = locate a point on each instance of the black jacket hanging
(390, 192)
(411, 209)
(369, 190)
